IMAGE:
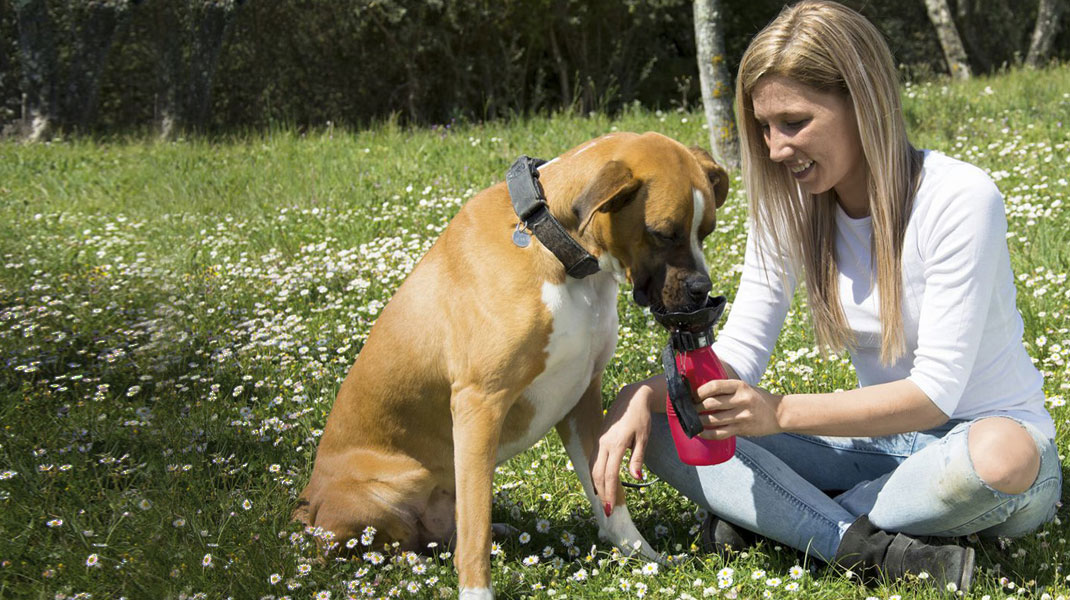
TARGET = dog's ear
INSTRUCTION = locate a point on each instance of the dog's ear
(610, 190)
(714, 172)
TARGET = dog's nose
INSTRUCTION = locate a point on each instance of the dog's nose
(698, 286)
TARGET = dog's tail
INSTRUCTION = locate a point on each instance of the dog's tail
(361, 489)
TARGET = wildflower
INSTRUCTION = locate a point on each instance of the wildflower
(55, 523)
(525, 537)
(568, 539)
(373, 557)
(274, 578)
(7, 474)
(531, 561)
(247, 504)
(179, 522)
(323, 595)
(207, 560)
(796, 572)
(368, 536)
(773, 582)
(495, 549)
(92, 560)
(547, 552)
(640, 589)
(419, 569)
(145, 504)
(650, 569)
(794, 587)
(542, 526)
(351, 543)
(757, 574)
(580, 575)
(304, 569)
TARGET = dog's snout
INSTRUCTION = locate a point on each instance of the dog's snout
(698, 286)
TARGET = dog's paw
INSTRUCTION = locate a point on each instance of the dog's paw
(476, 594)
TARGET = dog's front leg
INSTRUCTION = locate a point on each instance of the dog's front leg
(579, 431)
(477, 420)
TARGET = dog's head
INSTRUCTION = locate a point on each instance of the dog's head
(649, 208)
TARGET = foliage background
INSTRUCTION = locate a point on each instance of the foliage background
(255, 63)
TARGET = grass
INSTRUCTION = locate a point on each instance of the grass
(175, 319)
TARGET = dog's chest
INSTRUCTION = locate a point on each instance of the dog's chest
(583, 339)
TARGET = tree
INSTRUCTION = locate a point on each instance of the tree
(37, 53)
(715, 81)
(92, 32)
(1048, 14)
(954, 53)
(188, 39)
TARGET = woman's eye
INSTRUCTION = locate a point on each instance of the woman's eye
(797, 124)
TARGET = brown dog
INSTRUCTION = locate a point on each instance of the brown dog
(489, 343)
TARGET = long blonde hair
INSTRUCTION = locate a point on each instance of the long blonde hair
(831, 48)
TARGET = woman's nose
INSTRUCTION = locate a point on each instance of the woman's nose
(779, 148)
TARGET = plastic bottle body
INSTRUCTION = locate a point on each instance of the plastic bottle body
(698, 367)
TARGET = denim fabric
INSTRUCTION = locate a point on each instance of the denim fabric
(920, 483)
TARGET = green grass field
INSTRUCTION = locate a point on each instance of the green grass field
(175, 319)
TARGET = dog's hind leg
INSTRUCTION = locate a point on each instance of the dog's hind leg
(579, 431)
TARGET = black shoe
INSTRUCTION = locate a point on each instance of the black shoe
(719, 535)
(874, 553)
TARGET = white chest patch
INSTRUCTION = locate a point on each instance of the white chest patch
(583, 339)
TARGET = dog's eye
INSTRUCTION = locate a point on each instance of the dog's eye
(660, 237)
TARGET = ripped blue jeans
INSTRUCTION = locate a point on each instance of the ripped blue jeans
(920, 483)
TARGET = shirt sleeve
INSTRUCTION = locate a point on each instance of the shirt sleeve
(766, 287)
(961, 241)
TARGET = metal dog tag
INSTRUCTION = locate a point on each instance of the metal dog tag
(521, 238)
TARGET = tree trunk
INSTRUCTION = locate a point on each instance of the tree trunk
(93, 31)
(969, 30)
(715, 81)
(940, 15)
(209, 28)
(37, 53)
(1048, 14)
(561, 65)
(167, 44)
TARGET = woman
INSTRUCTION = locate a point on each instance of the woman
(906, 266)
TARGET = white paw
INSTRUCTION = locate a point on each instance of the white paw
(477, 594)
(619, 530)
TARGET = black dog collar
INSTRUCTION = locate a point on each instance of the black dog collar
(529, 203)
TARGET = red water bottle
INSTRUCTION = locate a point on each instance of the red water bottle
(689, 361)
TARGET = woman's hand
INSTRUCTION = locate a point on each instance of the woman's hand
(627, 425)
(738, 408)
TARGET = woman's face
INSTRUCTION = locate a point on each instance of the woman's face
(814, 135)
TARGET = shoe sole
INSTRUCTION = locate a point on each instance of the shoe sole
(968, 564)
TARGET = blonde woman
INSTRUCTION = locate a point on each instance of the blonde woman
(906, 266)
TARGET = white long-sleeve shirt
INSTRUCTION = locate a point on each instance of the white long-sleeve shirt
(962, 328)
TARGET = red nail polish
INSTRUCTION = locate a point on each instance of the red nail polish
(608, 508)
(639, 475)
